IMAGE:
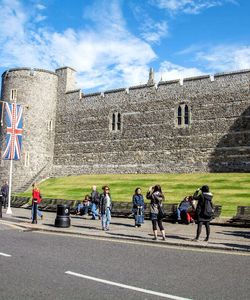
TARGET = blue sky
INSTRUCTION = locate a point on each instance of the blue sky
(113, 43)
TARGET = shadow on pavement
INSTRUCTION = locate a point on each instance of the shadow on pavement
(237, 246)
(177, 237)
(126, 235)
(87, 227)
(50, 225)
(122, 224)
(22, 217)
(244, 234)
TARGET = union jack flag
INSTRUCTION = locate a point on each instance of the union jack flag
(14, 130)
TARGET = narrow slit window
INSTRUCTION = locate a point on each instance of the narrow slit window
(119, 121)
(186, 115)
(27, 159)
(50, 125)
(13, 95)
(179, 115)
(113, 122)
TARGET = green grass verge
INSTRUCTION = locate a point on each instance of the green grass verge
(229, 189)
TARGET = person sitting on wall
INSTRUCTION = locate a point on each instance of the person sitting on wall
(185, 210)
(83, 208)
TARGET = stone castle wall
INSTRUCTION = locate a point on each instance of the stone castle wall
(66, 132)
(150, 140)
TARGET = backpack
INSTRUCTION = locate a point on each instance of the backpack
(208, 208)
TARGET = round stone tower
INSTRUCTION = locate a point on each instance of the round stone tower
(36, 91)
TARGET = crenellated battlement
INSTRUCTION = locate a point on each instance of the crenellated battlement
(182, 82)
(193, 124)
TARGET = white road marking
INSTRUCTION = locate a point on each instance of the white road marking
(4, 254)
(127, 286)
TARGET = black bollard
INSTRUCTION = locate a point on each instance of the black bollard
(1, 203)
(34, 215)
(62, 216)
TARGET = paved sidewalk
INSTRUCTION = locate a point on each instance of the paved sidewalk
(222, 237)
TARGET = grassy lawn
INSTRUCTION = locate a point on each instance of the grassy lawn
(229, 189)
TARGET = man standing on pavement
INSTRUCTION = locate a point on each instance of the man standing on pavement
(5, 193)
(105, 207)
(95, 199)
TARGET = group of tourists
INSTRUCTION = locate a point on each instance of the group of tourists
(99, 206)
(198, 207)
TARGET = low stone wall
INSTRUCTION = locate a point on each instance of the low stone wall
(119, 209)
(47, 204)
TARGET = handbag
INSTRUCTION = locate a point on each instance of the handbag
(161, 213)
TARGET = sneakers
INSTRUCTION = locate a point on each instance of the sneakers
(155, 238)
(206, 239)
(105, 228)
(164, 238)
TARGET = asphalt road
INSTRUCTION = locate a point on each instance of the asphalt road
(38, 264)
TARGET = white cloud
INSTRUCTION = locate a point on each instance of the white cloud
(169, 71)
(40, 18)
(105, 56)
(225, 57)
(12, 19)
(189, 6)
(40, 6)
(153, 31)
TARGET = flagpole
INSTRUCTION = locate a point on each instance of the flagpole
(9, 211)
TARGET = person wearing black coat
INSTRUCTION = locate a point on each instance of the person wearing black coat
(5, 193)
(204, 210)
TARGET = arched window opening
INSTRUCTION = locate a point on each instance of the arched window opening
(179, 115)
(186, 115)
(113, 122)
(119, 121)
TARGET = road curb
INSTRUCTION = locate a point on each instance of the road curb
(194, 245)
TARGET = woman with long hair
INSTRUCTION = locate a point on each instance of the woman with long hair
(156, 197)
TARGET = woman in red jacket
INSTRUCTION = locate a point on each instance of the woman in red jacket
(36, 195)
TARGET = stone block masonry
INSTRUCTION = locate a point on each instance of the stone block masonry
(197, 125)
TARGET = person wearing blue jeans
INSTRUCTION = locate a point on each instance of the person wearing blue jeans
(183, 210)
(36, 196)
(105, 207)
(39, 213)
(106, 218)
(95, 199)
